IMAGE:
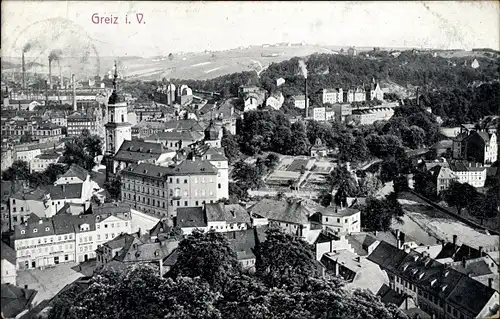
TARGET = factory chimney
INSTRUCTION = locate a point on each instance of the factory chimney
(50, 73)
(74, 91)
(306, 100)
(46, 94)
(23, 70)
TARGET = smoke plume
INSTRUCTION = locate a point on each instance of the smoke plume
(54, 55)
(27, 47)
(303, 68)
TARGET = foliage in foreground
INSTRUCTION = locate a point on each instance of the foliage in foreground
(207, 282)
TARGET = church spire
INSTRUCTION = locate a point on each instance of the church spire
(115, 98)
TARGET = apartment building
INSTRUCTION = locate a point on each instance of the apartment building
(66, 238)
(161, 190)
(332, 96)
(137, 152)
(44, 130)
(323, 114)
(471, 173)
(78, 122)
(42, 161)
(435, 288)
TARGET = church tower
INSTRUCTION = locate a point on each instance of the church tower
(118, 129)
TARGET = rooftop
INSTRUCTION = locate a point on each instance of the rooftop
(292, 211)
(458, 289)
(75, 171)
(190, 217)
(229, 213)
(15, 300)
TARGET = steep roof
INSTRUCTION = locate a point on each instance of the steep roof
(7, 253)
(76, 171)
(65, 191)
(292, 211)
(389, 295)
(176, 136)
(243, 243)
(190, 217)
(15, 300)
(133, 151)
(228, 213)
(444, 282)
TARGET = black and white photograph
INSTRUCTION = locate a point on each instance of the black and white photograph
(250, 159)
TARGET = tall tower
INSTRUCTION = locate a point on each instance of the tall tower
(118, 129)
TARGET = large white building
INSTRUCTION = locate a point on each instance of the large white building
(118, 129)
(332, 96)
(68, 238)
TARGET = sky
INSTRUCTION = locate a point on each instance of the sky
(197, 26)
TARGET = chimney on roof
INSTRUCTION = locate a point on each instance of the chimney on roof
(490, 282)
(455, 240)
(480, 251)
(337, 272)
(463, 261)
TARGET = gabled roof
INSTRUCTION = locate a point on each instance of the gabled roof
(388, 295)
(228, 213)
(147, 251)
(291, 211)
(196, 167)
(75, 171)
(161, 227)
(110, 208)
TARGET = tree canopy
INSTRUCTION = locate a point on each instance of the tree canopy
(223, 290)
(82, 150)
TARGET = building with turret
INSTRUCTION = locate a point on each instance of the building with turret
(118, 129)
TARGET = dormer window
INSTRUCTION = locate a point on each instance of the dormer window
(23, 232)
(421, 275)
(35, 230)
(433, 282)
(46, 228)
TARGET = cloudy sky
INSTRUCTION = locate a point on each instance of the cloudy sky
(197, 26)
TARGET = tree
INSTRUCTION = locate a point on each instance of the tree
(369, 185)
(114, 188)
(378, 214)
(300, 144)
(345, 184)
(207, 255)
(247, 176)
(82, 150)
(284, 259)
(460, 195)
(425, 184)
(231, 147)
(272, 161)
(18, 171)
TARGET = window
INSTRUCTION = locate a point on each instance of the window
(185, 203)
(178, 203)
(105, 225)
(13, 201)
(177, 181)
(22, 209)
(338, 220)
(197, 203)
(185, 181)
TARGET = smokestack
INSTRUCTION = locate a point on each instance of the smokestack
(50, 73)
(46, 94)
(60, 75)
(74, 91)
(306, 101)
(24, 71)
